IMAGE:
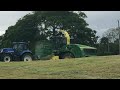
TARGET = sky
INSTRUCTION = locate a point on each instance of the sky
(101, 21)
(8, 18)
(97, 20)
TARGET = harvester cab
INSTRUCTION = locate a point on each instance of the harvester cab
(61, 39)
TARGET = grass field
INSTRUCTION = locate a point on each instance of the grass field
(99, 67)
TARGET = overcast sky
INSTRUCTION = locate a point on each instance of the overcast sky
(97, 20)
(102, 20)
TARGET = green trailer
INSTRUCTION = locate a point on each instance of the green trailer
(43, 50)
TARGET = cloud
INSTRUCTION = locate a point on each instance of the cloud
(102, 20)
(8, 18)
(100, 31)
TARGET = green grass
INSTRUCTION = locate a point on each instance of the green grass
(99, 67)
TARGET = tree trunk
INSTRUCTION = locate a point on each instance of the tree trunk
(53, 31)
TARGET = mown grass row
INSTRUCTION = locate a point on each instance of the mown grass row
(98, 67)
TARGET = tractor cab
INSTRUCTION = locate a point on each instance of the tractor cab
(20, 46)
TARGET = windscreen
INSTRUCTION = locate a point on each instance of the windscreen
(20, 47)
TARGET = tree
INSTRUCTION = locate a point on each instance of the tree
(109, 42)
(41, 25)
(72, 22)
(103, 48)
(112, 34)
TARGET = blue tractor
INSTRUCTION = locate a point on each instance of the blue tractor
(19, 52)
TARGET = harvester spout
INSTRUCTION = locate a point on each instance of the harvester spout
(66, 35)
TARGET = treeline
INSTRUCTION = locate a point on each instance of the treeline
(39, 25)
(109, 43)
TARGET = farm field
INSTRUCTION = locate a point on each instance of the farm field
(97, 67)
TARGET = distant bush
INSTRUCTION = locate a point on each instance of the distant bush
(105, 53)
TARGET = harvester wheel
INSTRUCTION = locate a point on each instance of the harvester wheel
(7, 58)
(27, 57)
(67, 56)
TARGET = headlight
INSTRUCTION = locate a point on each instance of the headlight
(1, 50)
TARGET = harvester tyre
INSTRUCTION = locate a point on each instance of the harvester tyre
(67, 56)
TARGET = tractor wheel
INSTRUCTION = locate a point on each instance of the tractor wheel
(67, 56)
(7, 58)
(27, 57)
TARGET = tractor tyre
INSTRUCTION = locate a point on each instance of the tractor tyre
(67, 56)
(27, 57)
(7, 58)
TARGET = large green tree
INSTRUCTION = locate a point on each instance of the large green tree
(109, 43)
(40, 25)
(73, 22)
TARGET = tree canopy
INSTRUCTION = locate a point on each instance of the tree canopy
(109, 43)
(41, 25)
